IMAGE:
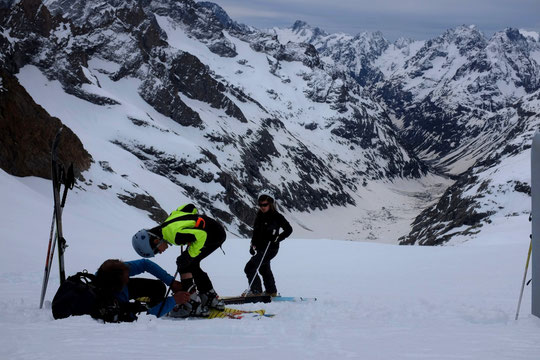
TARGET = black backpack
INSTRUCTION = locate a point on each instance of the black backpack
(79, 294)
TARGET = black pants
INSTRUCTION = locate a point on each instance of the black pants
(265, 270)
(147, 288)
(187, 264)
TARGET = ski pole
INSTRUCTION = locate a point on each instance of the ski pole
(166, 295)
(256, 271)
(524, 278)
(169, 289)
(48, 261)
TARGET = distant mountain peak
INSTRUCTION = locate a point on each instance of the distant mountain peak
(461, 32)
(300, 26)
(403, 42)
(220, 14)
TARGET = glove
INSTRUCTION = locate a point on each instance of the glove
(181, 297)
(252, 250)
(176, 286)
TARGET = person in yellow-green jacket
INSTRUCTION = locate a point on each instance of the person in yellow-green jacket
(202, 235)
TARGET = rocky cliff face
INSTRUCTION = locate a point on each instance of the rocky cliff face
(27, 132)
(26, 129)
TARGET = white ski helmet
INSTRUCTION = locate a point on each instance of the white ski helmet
(267, 193)
(141, 244)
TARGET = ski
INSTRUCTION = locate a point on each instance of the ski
(293, 298)
(264, 299)
(246, 299)
(231, 313)
(59, 177)
(56, 176)
(227, 313)
(69, 181)
(52, 239)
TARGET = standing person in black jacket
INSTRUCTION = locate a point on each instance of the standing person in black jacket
(266, 234)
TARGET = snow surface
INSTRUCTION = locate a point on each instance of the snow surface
(375, 301)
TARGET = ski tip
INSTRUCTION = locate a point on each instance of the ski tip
(293, 298)
(56, 139)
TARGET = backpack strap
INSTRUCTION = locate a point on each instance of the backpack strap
(200, 223)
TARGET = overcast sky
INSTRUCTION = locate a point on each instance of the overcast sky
(416, 19)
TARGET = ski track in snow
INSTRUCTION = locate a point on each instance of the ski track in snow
(375, 301)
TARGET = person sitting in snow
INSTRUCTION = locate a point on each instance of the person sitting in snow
(116, 276)
(203, 235)
(265, 245)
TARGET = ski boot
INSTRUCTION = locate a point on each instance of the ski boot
(251, 293)
(193, 307)
(211, 299)
(271, 294)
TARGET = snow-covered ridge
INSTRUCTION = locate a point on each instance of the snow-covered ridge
(461, 75)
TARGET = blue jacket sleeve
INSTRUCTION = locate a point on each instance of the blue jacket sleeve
(140, 266)
(167, 307)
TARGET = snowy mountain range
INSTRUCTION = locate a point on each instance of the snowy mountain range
(174, 101)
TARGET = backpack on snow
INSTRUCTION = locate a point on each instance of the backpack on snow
(80, 295)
